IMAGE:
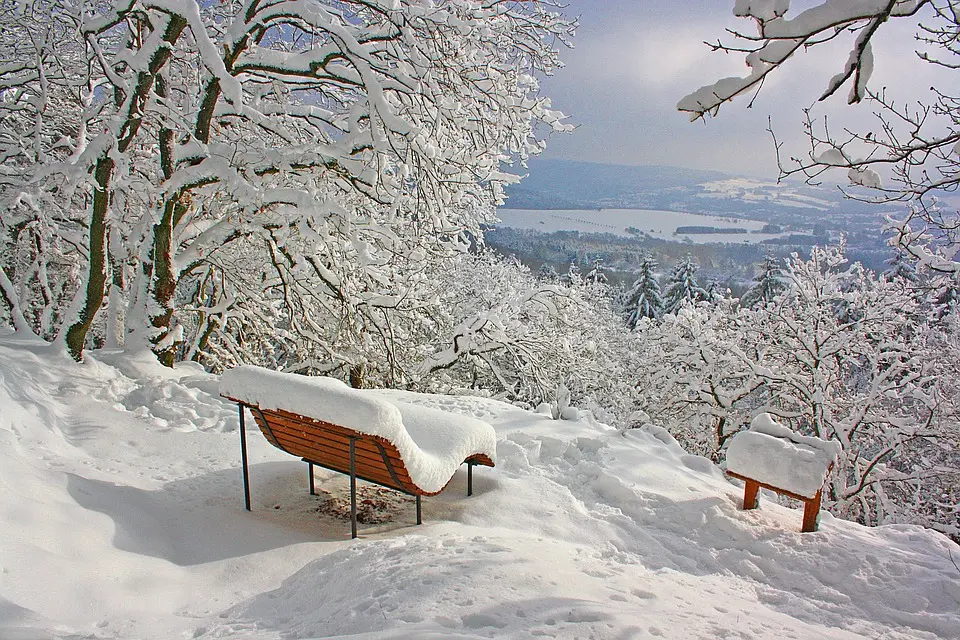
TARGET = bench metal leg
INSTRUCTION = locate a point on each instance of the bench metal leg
(313, 491)
(243, 460)
(750, 491)
(469, 478)
(353, 488)
(419, 518)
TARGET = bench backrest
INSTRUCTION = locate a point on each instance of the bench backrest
(328, 445)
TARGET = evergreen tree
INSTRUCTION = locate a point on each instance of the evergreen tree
(644, 299)
(901, 267)
(767, 284)
(573, 277)
(682, 286)
(547, 273)
(946, 298)
(596, 274)
(716, 292)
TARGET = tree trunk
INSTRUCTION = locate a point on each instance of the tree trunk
(164, 280)
(164, 284)
(9, 294)
(132, 120)
(356, 376)
(97, 274)
(116, 304)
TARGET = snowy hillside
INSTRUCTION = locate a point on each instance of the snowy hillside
(567, 184)
(122, 517)
(636, 223)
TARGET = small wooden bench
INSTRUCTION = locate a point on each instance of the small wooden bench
(771, 456)
(751, 500)
(346, 450)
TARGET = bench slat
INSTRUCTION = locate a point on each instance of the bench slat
(481, 459)
(363, 456)
(328, 445)
(789, 494)
(374, 470)
(367, 474)
(310, 433)
(341, 463)
(327, 426)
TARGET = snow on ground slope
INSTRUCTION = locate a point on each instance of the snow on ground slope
(121, 516)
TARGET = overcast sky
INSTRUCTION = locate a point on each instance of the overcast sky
(635, 59)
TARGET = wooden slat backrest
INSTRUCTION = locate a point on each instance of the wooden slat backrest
(328, 445)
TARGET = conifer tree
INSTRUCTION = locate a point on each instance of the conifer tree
(596, 275)
(682, 286)
(547, 273)
(767, 284)
(573, 277)
(900, 266)
(644, 299)
(715, 292)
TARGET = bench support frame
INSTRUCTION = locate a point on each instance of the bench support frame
(751, 500)
(352, 474)
(243, 459)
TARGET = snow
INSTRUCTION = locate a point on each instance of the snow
(866, 177)
(773, 454)
(122, 517)
(433, 444)
(763, 9)
(832, 156)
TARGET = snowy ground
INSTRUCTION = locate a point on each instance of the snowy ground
(122, 517)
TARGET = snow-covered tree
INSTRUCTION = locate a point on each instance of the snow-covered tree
(547, 273)
(573, 277)
(682, 287)
(181, 151)
(597, 275)
(644, 299)
(865, 379)
(767, 284)
(521, 338)
(839, 353)
(909, 152)
(901, 267)
(697, 370)
(715, 292)
(946, 296)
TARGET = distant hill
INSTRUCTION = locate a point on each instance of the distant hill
(558, 184)
(570, 184)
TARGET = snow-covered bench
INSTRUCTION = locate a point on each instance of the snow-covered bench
(413, 449)
(771, 456)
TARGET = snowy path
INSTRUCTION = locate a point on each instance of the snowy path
(122, 517)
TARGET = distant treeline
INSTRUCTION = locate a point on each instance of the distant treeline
(707, 230)
(799, 239)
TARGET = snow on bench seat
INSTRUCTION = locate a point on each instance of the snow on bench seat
(431, 443)
(769, 454)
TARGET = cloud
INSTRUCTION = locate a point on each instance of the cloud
(634, 61)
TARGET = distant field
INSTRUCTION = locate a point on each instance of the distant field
(659, 224)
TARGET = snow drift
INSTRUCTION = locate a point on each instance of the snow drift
(122, 517)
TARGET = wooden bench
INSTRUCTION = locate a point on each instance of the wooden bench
(771, 456)
(751, 500)
(346, 450)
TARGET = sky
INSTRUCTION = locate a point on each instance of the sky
(634, 60)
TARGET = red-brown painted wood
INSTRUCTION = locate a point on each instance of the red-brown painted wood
(811, 506)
